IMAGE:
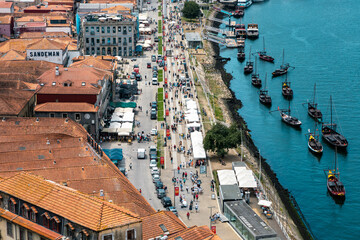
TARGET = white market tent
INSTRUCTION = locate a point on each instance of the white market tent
(123, 110)
(128, 117)
(197, 145)
(115, 125)
(142, 17)
(192, 117)
(109, 130)
(194, 125)
(141, 25)
(265, 203)
(245, 178)
(190, 104)
(226, 177)
(116, 118)
(128, 125)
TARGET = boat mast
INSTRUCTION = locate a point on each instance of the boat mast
(255, 66)
(331, 112)
(264, 43)
(250, 55)
(283, 56)
(314, 95)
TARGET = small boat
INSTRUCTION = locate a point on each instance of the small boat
(241, 54)
(239, 12)
(288, 119)
(313, 111)
(264, 96)
(249, 67)
(314, 144)
(335, 187)
(240, 30)
(287, 92)
(283, 68)
(240, 42)
(252, 31)
(244, 3)
(330, 134)
(263, 55)
(255, 79)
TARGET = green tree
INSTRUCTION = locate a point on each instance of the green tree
(220, 139)
(191, 10)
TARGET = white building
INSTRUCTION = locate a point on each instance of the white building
(48, 50)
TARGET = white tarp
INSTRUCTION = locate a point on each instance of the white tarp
(197, 145)
(190, 104)
(128, 117)
(109, 130)
(115, 118)
(192, 117)
(142, 17)
(141, 25)
(226, 177)
(123, 110)
(265, 203)
(128, 125)
(115, 125)
(148, 29)
(245, 178)
(194, 125)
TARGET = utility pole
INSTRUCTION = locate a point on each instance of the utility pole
(211, 214)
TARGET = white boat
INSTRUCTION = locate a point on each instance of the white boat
(252, 30)
(244, 3)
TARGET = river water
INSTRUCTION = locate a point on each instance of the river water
(321, 39)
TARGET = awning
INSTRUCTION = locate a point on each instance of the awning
(265, 203)
(226, 177)
(197, 144)
(138, 48)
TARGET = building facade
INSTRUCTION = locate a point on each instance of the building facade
(113, 35)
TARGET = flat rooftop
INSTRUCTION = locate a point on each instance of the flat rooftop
(250, 219)
(193, 37)
(230, 192)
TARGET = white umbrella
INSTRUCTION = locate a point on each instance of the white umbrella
(265, 203)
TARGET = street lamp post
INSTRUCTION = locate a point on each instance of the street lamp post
(211, 215)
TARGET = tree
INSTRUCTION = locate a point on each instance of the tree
(220, 139)
(191, 10)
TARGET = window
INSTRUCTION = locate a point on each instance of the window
(92, 29)
(52, 115)
(130, 39)
(97, 29)
(125, 52)
(103, 41)
(11, 205)
(124, 42)
(33, 211)
(114, 29)
(102, 29)
(77, 116)
(86, 29)
(46, 220)
(29, 236)
(87, 40)
(119, 29)
(69, 230)
(65, 115)
(108, 41)
(130, 28)
(108, 237)
(98, 51)
(131, 234)
(25, 211)
(114, 51)
(22, 234)
(130, 51)
(97, 40)
(84, 235)
(108, 29)
(119, 40)
(103, 51)
(55, 224)
(119, 52)
(87, 51)
(114, 41)
(83, 83)
(9, 230)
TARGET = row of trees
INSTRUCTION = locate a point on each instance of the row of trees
(191, 10)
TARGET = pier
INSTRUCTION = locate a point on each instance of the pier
(227, 23)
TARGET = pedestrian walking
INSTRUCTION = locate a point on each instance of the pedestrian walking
(197, 197)
(130, 166)
(187, 189)
(196, 207)
(178, 169)
(188, 215)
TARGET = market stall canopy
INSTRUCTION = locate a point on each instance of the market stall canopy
(128, 117)
(226, 177)
(265, 203)
(115, 125)
(122, 110)
(128, 125)
(115, 118)
(109, 130)
(190, 104)
(192, 117)
(245, 178)
(197, 144)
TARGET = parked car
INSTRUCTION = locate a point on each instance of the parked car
(153, 163)
(154, 105)
(154, 81)
(153, 132)
(173, 209)
(132, 76)
(153, 114)
(141, 153)
(159, 184)
(148, 65)
(166, 202)
(160, 193)
(153, 152)
(153, 58)
(155, 74)
(155, 171)
(155, 68)
(156, 39)
(155, 178)
(138, 77)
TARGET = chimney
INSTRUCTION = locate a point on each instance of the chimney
(57, 73)
(101, 193)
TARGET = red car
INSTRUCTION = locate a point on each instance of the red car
(148, 65)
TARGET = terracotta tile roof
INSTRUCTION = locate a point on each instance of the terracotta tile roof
(23, 147)
(12, 101)
(151, 224)
(194, 233)
(5, 19)
(66, 107)
(116, 9)
(87, 211)
(95, 62)
(34, 227)
(46, 44)
(13, 55)
(6, 4)
(34, 35)
(30, 19)
(52, 8)
(84, 80)
(16, 44)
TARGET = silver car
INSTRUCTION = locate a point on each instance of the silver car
(155, 178)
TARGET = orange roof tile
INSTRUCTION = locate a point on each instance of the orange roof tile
(151, 224)
(12, 101)
(34, 227)
(30, 19)
(87, 211)
(46, 44)
(5, 19)
(16, 44)
(34, 35)
(116, 9)
(6, 4)
(13, 55)
(52, 8)
(66, 107)
(24, 148)
(194, 233)
(95, 62)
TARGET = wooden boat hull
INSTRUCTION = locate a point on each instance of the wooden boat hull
(248, 70)
(315, 113)
(294, 122)
(256, 83)
(288, 94)
(334, 138)
(314, 149)
(266, 100)
(266, 58)
(279, 72)
(336, 190)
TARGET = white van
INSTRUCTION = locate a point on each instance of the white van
(141, 153)
(154, 81)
